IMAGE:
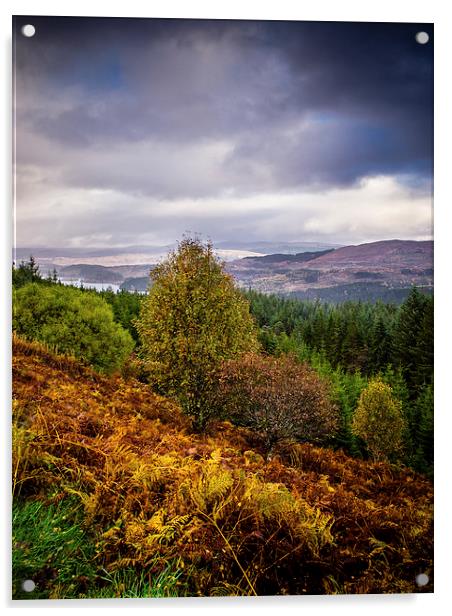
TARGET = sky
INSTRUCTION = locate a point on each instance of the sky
(132, 132)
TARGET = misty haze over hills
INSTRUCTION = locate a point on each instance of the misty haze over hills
(261, 247)
(376, 270)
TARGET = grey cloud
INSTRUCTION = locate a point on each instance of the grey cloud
(156, 111)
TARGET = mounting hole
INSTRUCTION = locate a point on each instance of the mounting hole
(422, 38)
(422, 579)
(28, 585)
(28, 30)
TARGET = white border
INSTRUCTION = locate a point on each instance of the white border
(332, 10)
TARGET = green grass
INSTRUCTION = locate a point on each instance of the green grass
(127, 583)
(51, 548)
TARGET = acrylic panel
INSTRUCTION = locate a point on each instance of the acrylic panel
(222, 308)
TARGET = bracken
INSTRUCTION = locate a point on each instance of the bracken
(310, 520)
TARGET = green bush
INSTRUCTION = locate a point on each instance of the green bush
(72, 322)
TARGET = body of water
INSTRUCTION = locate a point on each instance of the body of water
(99, 286)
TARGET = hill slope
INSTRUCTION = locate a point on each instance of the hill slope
(367, 271)
(308, 521)
(90, 273)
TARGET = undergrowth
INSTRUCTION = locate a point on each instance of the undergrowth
(51, 547)
(162, 510)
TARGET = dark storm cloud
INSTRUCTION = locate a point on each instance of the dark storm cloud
(363, 91)
(137, 130)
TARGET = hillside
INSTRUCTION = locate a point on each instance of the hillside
(299, 257)
(152, 495)
(384, 270)
(90, 273)
(378, 255)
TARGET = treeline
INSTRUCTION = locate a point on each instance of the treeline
(353, 335)
(353, 342)
(365, 291)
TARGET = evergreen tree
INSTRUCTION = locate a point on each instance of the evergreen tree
(407, 335)
(268, 339)
(380, 345)
(423, 373)
(337, 343)
(26, 272)
(423, 435)
(354, 353)
(347, 388)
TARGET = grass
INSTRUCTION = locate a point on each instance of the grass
(51, 548)
(126, 583)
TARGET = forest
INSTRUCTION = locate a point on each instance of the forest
(200, 440)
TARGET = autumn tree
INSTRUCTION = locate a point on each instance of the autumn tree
(192, 319)
(379, 420)
(278, 397)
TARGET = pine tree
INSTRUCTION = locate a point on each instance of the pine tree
(423, 435)
(354, 350)
(424, 362)
(26, 272)
(380, 345)
(407, 335)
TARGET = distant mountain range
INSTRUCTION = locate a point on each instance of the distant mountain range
(377, 270)
(383, 270)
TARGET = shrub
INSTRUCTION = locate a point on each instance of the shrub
(378, 420)
(278, 397)
(192, 319)
(73, 322)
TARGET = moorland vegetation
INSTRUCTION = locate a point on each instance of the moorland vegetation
(204, 441)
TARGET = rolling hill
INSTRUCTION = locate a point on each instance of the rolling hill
(90, 273)
(376, 270)
(383, 270)
(152, 495)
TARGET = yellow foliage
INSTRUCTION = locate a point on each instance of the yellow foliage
(212, 484)
(267, 500)
(236, 523)
(379, 420)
